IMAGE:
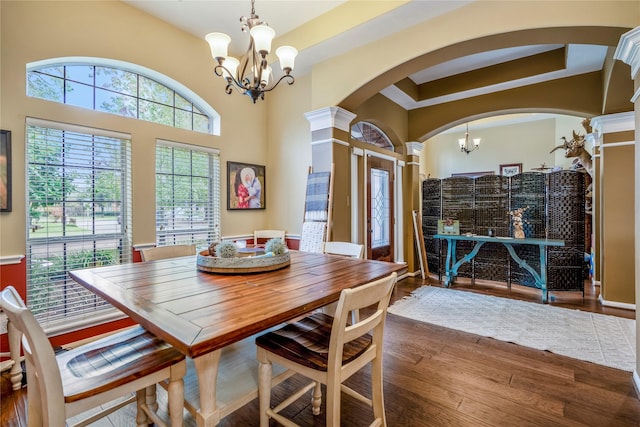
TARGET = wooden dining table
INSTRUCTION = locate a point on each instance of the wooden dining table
(213, 318)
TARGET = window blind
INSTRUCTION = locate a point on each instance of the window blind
(78, 215)
(187, 194)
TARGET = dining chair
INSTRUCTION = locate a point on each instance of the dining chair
(353, 250)
(328, 350)
(259, 236)
(171, 251)
(346, 249)
(84, 378)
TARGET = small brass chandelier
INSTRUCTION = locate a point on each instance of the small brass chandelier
(251, 75)
(464, 143)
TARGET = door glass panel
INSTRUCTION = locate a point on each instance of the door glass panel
(380, 223)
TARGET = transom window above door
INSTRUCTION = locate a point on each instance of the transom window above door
(371, 134)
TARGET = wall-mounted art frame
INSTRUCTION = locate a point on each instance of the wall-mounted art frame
(510, 169)
(246, 186)
(5, 171)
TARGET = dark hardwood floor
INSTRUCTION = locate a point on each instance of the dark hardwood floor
(436, 376)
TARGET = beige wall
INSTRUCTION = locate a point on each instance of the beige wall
(359, 67)
(528, 143)
(33, 31)
(289, 155)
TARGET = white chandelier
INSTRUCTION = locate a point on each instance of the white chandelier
(464, 142)
(251, 75)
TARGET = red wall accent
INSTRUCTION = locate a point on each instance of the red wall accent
(16, 276)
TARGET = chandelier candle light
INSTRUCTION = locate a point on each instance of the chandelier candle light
(252, 74)
(464, 142)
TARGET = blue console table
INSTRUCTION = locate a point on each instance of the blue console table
(452, 264)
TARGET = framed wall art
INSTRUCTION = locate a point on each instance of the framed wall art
(5, 171)
(246, 186)
(511, 169)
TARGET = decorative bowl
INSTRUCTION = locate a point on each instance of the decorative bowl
(242, 264)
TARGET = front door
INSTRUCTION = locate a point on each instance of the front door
(380, 214)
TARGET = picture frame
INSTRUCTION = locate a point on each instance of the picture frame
(246, 192)
(449, 226)
(510, 169)
(5, 171)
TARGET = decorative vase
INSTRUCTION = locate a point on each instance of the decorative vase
(518, 231)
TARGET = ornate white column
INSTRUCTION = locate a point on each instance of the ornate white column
(330, 130)
(628, 51)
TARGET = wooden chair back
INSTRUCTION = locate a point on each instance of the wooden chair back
(92, 375)
(303, 348)
(43, 373)
(376, 293)
(353, 250)
(260, 235)
(163, 252)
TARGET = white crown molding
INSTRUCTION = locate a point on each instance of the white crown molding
(330, 117)
(356, 151)
(593, 139)
(414, 148)
(635, 96)
(612, 123)
(329, 140)
(628, 50)
(12, 259)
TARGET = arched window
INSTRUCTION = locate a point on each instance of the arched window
(371, 134)
(121, 88)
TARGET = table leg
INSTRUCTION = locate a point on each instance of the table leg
(15, 337)
(207, 369)
(543, 274)
(451, 257)
(541, 279)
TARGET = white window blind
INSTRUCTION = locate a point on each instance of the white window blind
(187, 194)
(78, 198)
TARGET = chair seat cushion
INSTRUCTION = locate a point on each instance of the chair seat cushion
(306, 342)
(112, 361)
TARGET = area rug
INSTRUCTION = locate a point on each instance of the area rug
(598, 338)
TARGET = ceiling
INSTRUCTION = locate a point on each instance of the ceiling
(294, 21)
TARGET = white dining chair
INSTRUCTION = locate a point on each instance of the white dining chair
(92, 375)
(260, 236)
(346, 249)
(163, 252)
(328, 350)
(353, 250)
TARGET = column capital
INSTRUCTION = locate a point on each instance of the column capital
(414, 148)
(330, 117)
(628, 50)
(611, 123)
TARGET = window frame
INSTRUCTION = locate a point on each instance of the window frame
(167, 235)
(179, 89)
(81, 308)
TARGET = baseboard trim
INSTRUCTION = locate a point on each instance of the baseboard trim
(615, 304)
